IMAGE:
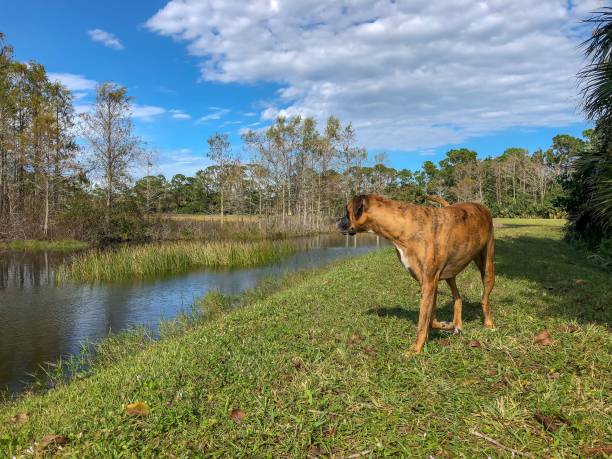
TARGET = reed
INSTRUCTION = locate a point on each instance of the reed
(144, 261)
(35, 245)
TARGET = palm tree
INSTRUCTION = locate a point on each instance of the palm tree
(596, 77)
(590, 206)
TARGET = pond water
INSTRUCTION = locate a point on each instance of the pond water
(40, 321)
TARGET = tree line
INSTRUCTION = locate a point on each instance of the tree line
(65, 174)
(295, 169)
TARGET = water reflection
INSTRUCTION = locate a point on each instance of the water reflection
(41, 320)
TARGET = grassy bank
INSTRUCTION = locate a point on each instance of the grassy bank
(317, 369)
(142, 261)
(170, 227)
(33, 245)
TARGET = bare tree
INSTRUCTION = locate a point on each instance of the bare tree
(112, 146)
(220, 152)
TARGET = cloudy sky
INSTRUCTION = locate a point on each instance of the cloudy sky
(415, 78)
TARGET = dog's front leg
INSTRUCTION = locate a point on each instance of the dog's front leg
(428, 297)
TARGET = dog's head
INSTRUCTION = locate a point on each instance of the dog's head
(354, 220)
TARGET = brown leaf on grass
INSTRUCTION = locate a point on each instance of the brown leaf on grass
(581, 281)
(52, 441)
(315, 451)
(138, 409)
(543, 338)
(598, 451)
(571, 328)
(237, 415)
(297, 362)
(444, 342)
(550, 423)
(405, 429)
(20, 418)
(492, 372)
(474, 343)
(329, 431)
(369, 350)
(355, 338)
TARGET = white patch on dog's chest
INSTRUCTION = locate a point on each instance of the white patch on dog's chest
(403, 257)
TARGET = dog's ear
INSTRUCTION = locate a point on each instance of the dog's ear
(359, 205)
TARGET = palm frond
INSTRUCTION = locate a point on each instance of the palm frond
(596, 77)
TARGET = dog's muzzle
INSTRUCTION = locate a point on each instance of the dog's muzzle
(344, 227)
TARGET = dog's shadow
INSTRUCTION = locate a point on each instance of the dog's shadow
(471, 311)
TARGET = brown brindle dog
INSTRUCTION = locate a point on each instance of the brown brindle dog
(433, 244)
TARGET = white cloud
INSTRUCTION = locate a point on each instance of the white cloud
(83, 92)
(409, 75)
(179, 114)
(82, 108)
(146, 112)
(182, 161)
(106, 38)
(216, 114)
(73, 81)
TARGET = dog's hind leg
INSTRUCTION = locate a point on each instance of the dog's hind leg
(457, 324)
(484, 261)
(439, 324)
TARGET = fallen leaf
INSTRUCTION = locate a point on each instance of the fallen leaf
(571, 328)
(581, 281)
(355, 338)
(329, 431)
(444, 342)
(598, 451)
(543, 338)
(492, 372)
(297, 362)
(547, 421)
(237, 415)
(315, 451)
(138, 409)
(20, 418)
(52, 441)
(405, 429)
(474, 343)
(550, 423)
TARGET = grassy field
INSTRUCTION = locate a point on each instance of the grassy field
(32, 245)
(142, 261)
(316, 369)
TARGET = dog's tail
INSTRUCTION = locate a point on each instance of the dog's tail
(443, 202)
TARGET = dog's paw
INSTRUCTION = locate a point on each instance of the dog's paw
(456, 331)
(411, 352)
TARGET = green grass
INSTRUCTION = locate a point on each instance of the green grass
(317, 369)
(143, 261)
(33, 245)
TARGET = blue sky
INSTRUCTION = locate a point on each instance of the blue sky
(414, 82)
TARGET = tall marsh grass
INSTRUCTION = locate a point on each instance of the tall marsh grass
(35, 245)
(172, 227)
(144, 261)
